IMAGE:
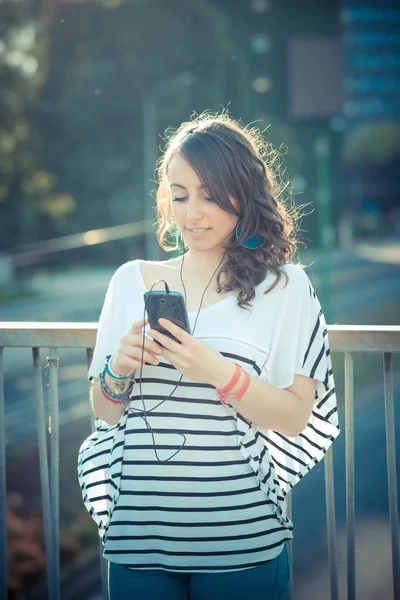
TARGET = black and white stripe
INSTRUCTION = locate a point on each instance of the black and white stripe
(219, 503)
(201, 510)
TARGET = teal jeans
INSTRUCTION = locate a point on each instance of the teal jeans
(268, 581)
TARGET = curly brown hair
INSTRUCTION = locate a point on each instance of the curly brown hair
(234, 161)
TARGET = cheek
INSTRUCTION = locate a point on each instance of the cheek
(176, 213)
(231, 222)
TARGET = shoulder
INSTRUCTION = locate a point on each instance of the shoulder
(292, 287)
(296, 276)
(292, 278)
(126, 271)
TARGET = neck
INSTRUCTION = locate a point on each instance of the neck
(201, 262)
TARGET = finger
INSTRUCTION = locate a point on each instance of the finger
(138, 325)
(126, 364)
(176, 331)
(166, 341)
(137, 342)
(136, 353)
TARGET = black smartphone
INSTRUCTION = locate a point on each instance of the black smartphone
(170, 306)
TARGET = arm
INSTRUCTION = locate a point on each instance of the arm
(104, 409)
(284, 410)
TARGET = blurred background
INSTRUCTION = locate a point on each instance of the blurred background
(87, 90)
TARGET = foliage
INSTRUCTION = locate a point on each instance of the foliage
(374, 142)
(71, 135)
(23, 176)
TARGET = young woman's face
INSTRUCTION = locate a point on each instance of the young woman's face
(203, 224)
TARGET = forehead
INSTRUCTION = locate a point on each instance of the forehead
(180, 172)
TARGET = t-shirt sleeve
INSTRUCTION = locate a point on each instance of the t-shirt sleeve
(299, 346)
(115, 319)
(300, 343)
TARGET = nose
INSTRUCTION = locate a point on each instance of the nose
(194, 210)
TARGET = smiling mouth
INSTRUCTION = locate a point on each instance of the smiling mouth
(199, 229)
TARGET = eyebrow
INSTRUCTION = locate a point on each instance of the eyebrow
(182, 187)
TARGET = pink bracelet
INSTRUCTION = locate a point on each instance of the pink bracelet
(231, 384)
(239, 394)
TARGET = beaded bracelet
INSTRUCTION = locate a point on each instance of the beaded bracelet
(111, 372)
(123, 398)
(121, 383)
(114, 394)
(124, 384)
(111, 400)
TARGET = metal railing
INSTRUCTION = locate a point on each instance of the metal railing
(53, 336)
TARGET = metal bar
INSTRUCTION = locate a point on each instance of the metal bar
(44, 471)
(346, 339)
(52, 366)
(391, 465)
(89, 356)
(350, 502)
(289, 594)
(3, 496)
(342, 338)
(331, 524)
(103, 562)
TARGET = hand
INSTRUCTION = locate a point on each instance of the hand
(129, 354)
(192, 357)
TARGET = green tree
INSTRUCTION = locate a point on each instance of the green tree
(94, 136)
(23, 177)
(375, 142)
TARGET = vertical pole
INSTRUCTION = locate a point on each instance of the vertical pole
(52, 366)
(3, 497)
(243, 86)
(350, 497)
(44, 474)
(331, 524)
(149, 136)
(103, 561)
(289, 593)
(220, 63)
(391, 468)
(324, 225)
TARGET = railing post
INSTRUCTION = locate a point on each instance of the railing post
(44, 472)
(289, 595)
(3, 497)
(103, 562)
(331, 524)
(350, 502)
(52, 367)
(391, 466)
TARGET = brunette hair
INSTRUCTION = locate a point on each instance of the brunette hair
(234, 161)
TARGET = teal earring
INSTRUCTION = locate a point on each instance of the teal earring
(253, 242)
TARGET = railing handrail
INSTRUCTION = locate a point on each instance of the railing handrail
(342, 338)
(347, 339)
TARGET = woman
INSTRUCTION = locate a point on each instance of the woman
(187, 475)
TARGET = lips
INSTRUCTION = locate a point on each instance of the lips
(199, 229)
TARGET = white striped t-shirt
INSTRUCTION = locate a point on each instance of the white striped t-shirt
(214, 499)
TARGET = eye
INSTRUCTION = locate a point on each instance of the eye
(208, 198)
(175, 199)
